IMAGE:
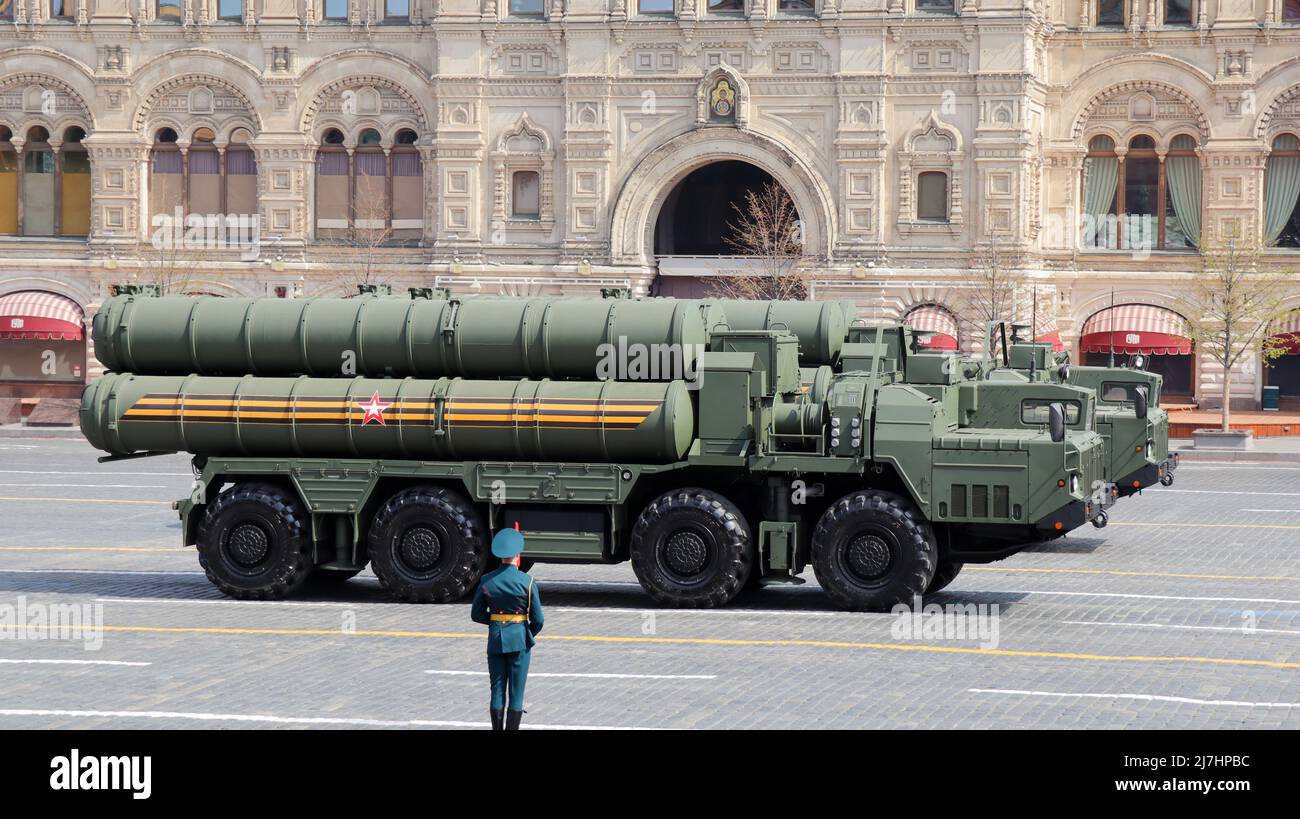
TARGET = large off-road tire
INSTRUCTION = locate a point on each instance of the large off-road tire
(871, 550)
(945, 572)
(254, 543)
(691, 548)
(427, 545)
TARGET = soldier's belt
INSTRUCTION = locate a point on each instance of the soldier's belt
(509, 618)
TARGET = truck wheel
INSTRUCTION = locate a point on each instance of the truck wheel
(691, 548)
(944, 573)
(427, 545)
(871, 551)
(253, 542)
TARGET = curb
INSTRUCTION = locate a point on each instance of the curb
(1237, 456)
(17, 431)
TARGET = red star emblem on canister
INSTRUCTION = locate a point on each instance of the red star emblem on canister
(374, 410)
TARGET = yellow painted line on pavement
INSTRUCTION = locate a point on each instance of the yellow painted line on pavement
(1117, 572)
(1213, 525)
(86, 500)
(704, 641)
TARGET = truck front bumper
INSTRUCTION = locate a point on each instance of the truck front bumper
(1149, 475)
(1076, 513)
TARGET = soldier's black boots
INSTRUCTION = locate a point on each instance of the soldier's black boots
(512, 720)
(497, 717)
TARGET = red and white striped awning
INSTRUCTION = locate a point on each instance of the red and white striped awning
(934, 319)
(1288, 331)
(36, 314)
(1136, 328)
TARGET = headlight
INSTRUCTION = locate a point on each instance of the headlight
(1074, 484)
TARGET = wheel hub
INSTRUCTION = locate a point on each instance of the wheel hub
(686, 553)
(868, 557)
(248, 545)
(420, 548)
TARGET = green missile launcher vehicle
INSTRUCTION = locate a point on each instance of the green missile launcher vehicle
(885, 478)
(1129, 417)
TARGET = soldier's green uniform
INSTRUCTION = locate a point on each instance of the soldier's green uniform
(508, 603)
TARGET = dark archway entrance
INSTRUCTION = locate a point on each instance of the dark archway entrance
(695, 218)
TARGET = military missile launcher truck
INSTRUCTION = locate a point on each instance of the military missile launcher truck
(331, 433)
(1129, 417)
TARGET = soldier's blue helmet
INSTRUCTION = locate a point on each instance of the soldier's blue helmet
(507, 543)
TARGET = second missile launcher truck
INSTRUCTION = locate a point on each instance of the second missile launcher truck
(1129, 417)
(492, 416)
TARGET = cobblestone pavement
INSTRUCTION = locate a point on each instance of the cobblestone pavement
(1185, 612)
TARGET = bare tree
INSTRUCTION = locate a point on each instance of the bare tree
(996, 290)
(768, 234)
(172, 266)
(361, 254)
(1230, 305)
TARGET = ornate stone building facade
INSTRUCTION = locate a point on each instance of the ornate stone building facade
(524, 146)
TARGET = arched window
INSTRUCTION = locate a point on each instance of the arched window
(369, 195)
(74, 184)
(1282, 193)
(8, 184)
(205, 179)
(166, 175)
(932, 196)
(1136, 201)
(38, 184)
(1110, 13)
(408, 187)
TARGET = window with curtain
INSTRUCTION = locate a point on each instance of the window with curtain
(205, 179)
(74, 184)
(1100, 181)
(8, 184)
(726, 6)
(1178, 12)
(62, 9)
(797, 6)
(1182, 216)
(38, 184)
(1110, 13)
(1291, 11)
(230, 10)
(1282, 193)
(1140, 202)
(932, 197)
(662, 6)
(7, 10)
(373, 197)
(526, 195)
(169, 11)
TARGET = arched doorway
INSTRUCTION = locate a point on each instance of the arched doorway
(698, 230)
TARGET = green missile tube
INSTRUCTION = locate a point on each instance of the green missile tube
(820, 325)
(384, 335)
(443, 419)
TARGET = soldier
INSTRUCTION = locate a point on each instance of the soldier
(508, 603)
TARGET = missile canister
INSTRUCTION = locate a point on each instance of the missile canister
(820, 325)
(384, 335)
(447, 418)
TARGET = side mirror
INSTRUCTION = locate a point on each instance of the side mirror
(1056, 422)
(1063, 373)
(1138, 362)
(1140, 402)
